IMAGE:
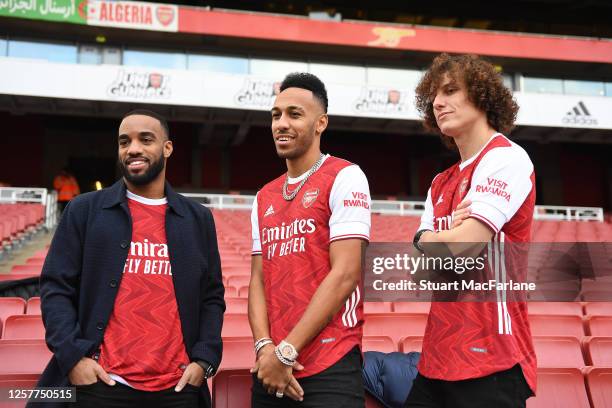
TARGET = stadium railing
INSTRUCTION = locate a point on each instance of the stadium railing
(19, 195)
(415, 208)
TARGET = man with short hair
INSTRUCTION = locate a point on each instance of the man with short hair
(310, 227)
(475, 354)
(132, 295)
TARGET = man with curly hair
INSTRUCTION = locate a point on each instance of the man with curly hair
(475, 354)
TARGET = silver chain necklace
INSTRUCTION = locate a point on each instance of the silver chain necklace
(314, 168)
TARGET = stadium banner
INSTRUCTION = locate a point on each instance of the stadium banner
(232, 91)
(350, 33)
(63, 11)
(488, 272)
(133, 15)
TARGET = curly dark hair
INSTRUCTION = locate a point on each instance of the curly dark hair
(485, 89)
(309, 82)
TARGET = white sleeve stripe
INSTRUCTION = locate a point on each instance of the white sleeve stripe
(486, 221)
(347, 236)
(256, 253)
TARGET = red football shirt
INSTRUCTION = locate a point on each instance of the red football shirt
(143, 342)
(293, 238)
(466, 340)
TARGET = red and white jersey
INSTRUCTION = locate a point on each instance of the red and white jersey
(473, 339)
(293, 238)
(143, 343)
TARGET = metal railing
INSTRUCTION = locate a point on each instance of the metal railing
(35, 195)
(415, 208)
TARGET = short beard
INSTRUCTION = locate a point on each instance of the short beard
(145, 178)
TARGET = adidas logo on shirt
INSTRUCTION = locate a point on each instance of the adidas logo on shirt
(579, 115)
(269, 211)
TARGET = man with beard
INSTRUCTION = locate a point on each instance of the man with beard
(310, 227)
(132, 296)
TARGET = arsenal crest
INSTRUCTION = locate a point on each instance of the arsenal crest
(310, 197)
(463, 186)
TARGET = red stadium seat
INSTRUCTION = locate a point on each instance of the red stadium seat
(557, 352)
(412, 307)
(17, 381)
(599, 325)
(231, 292)
(26, 269)
(23, 356)
(238, 352)
(600, 386)
(238, 281)
(10, 306)
(18, 276)
(555, 308)
(236, 325)
(236, 305)
(599, 351)
(376, 307)
(33, 306)
(379, 343)
(395, 325)
(598, 308)
(232, 389)
(546, 325)
(243, 291)
(560, 388)
(26, 327)
(411, 343)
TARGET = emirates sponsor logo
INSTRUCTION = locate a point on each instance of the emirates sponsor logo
(287, 238)
(579, 115)
(310, 197)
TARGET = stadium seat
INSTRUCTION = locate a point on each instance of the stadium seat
(231, 292)
(598, 308)
(555, 308)
(10, 306)
(395, 325)
(412, 307)
(383, 344)
(238, 352)
(17, 381)
(599, 325)
(33, 306)
(560, 388)
(26, 327)
(376, 307)
(411, 343)
(232, 389)
(23, 356)
(18, 276)
(599, 380)
(243, 291)
(236, 325)
(26, 269)
(547, 325)
(599, 351)
(238, 281)
(558, 352)
(236, 305)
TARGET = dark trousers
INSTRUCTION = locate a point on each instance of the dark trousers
(121, 396)
(339, 386)
(504, 389)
